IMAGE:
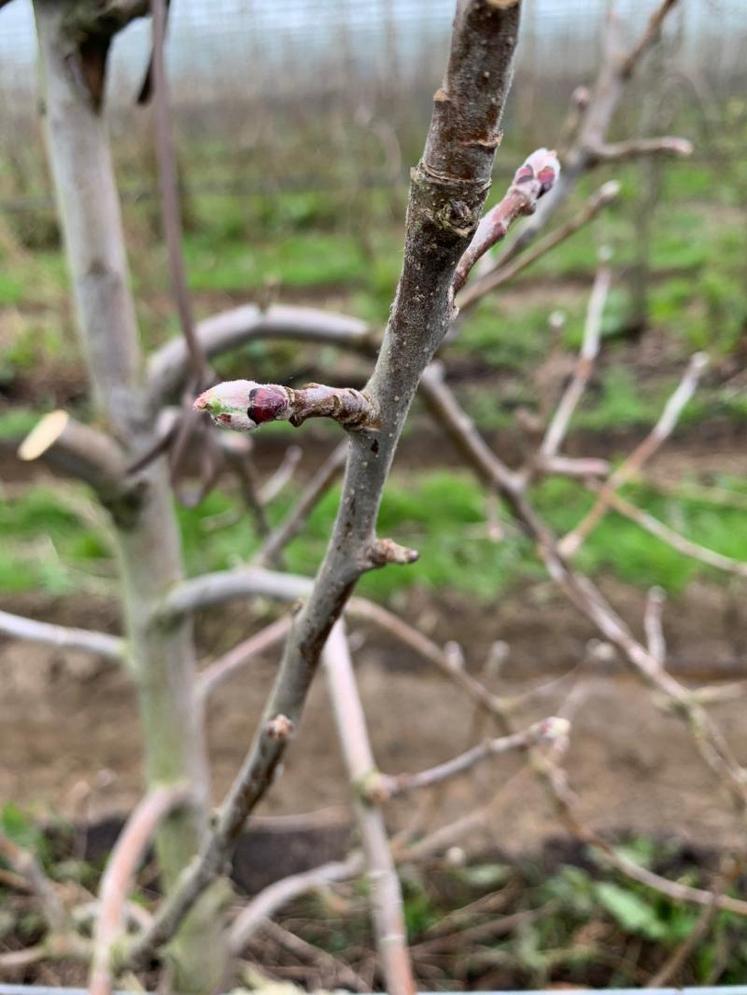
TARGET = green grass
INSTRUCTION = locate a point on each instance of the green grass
(56, 548)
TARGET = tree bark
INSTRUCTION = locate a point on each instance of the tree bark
(161, 657)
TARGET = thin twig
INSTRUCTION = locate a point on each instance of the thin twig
(572, 542)
(282, 476)
(226, 666)
(117, 879)
(341, 972)
(558, 427)
(500, 275)
(24, 863)
(271, 899)
(294, 521)
(532, 180)
(652, 624)
(584, 595)
(386, 897)
(648, 38)
(595, 119)
(385, 786)
(169, 190)
(446, 198)
(62, 637)
(635, 148)
(669, 535)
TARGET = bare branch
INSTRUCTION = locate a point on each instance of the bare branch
(77, 450)
(294, 521)
(117, 879)
(237, 451)
(168, 366)
(169, 189)
(531, 181)
(657, 646)
(635, 148)
(446, 197)
(243, 405)
(501, 274)
(271, 899)
(24, 863)
(554, 779)
(282, 476)
(707, 737)
(211, 589)
(571, 543)
(649, 38)
(596, 117)
(672, 538)
(56, 946)
(62, 637)
(226, 666)
(386, 897)
(558, 427)
(305, 951)
(385, 786)
(574, 466)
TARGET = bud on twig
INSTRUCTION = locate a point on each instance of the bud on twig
(532, 180)
(244, 405)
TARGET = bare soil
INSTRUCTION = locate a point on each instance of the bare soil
(70, 741)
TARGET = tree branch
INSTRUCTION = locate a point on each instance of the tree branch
(294, 521)
(117, 879)
(386, 786)
(62, 637)
(386, 897)
(556, 430)
(707, 737)
(78, 451)
(169, 189)
(532, 180)
(500, 275)
(23, 862)
(635, 148)
(168, 366)
(271, 899)
(571, 543)
(243, 405)
(649, 38)
(655, 641)
(226, 666)
(669, 536)
(446, 197)
(595, 119)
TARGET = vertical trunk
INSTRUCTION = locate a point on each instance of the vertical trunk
(162, 660)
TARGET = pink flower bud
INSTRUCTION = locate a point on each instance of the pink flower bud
(267, 403)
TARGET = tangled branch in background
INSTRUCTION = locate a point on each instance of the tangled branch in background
(445, 237)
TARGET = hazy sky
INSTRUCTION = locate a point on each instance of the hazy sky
(202, 29)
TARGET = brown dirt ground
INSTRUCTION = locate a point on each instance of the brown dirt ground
(69, 736)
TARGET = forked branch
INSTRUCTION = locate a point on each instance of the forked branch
(446, 197)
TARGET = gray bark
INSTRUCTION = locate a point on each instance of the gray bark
(161, 658)
(447, 194)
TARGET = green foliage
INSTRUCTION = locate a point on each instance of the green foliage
(442, 514)
(18, 827)
(632, 913)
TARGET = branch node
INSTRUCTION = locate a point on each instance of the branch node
(375, 788)
(384, 551)
(280, 728)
